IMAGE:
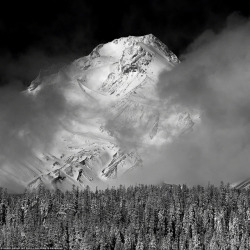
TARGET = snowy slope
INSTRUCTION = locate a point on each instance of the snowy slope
(245, 184)
(116, 81)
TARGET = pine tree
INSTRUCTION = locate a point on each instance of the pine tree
(166, 243)
(128, 241)
(140, 244)
(118, 243)
(153, 243)
(244, 242)
(87, 243)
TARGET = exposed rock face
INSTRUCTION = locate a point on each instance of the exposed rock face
(120, 77)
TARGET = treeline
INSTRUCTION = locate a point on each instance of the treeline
(136, 217)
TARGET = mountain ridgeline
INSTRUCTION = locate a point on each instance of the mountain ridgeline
(107, 96)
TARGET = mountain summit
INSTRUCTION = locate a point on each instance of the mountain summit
(113, 92)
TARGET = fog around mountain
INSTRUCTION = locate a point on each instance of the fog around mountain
(137, 106)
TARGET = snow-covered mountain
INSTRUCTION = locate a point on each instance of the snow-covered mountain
(113, 89)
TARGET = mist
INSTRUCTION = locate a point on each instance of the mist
(213, 78)
(27, 123)
(31, 121)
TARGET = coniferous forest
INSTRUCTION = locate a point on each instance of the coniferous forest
(135, 217)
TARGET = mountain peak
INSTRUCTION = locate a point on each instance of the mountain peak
(116, 47)
(122, 60)
(120, 77)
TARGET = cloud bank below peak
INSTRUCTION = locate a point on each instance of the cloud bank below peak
(214, 78)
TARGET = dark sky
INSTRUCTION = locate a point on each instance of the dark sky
(50, 31)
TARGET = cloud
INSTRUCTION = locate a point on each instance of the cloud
(213, 78)
(128, 134)
(30, 122)
(26, 124)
